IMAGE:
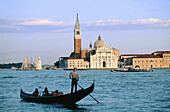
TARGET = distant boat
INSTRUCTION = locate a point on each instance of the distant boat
(55, 68)
(13, 68)
(120, 70)
(26, 65)
(141, 70)
(47, 68)
(131, 70)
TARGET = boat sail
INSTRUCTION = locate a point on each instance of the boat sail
(26, 65)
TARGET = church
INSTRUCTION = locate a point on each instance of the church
(98, 57)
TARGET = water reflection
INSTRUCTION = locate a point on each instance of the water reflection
(56, 106)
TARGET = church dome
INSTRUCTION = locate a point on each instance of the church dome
(99, 43)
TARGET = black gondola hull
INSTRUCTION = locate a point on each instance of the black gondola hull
(71, 98)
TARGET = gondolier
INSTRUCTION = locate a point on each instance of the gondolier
(75, 77)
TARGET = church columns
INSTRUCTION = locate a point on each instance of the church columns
(96, 60)
(107, 59)
(111, 62)
(100, 59)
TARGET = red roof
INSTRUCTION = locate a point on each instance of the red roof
(148, 56)
(70, 58)
(134, 54)
(142, 55)
(162, 52)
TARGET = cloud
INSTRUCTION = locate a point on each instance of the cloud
(9, 28)
(151, 21)
(61, 30)
(103, 23)
(146, 21)
(34, 21)
(10, 50)
(51, 25)
(49, 22)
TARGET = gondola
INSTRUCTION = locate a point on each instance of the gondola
(71, 98)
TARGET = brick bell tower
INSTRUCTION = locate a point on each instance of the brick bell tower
(77, 38)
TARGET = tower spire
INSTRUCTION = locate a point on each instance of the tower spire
(90, 45)
(99, 38)
(77, 21)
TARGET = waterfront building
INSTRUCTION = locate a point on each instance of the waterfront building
(158, 59)
(72, 62)
(38, 64)
(99, 57)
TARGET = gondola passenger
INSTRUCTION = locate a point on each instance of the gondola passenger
(56, 93)
(35, 93)
(46, 92)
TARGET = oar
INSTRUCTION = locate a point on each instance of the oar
(89, 94)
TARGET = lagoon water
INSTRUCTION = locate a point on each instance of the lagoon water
(116, 91)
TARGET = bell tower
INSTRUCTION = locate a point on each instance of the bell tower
(77, 38)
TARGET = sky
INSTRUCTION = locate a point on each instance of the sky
(45, 28)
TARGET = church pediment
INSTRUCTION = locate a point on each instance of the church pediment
(104, 47)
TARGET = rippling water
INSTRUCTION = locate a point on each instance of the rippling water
(116, 91)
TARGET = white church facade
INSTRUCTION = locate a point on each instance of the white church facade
(104, 58)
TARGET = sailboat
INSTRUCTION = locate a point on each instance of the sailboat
(26, 65)
(47, 66)
(13, 68)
